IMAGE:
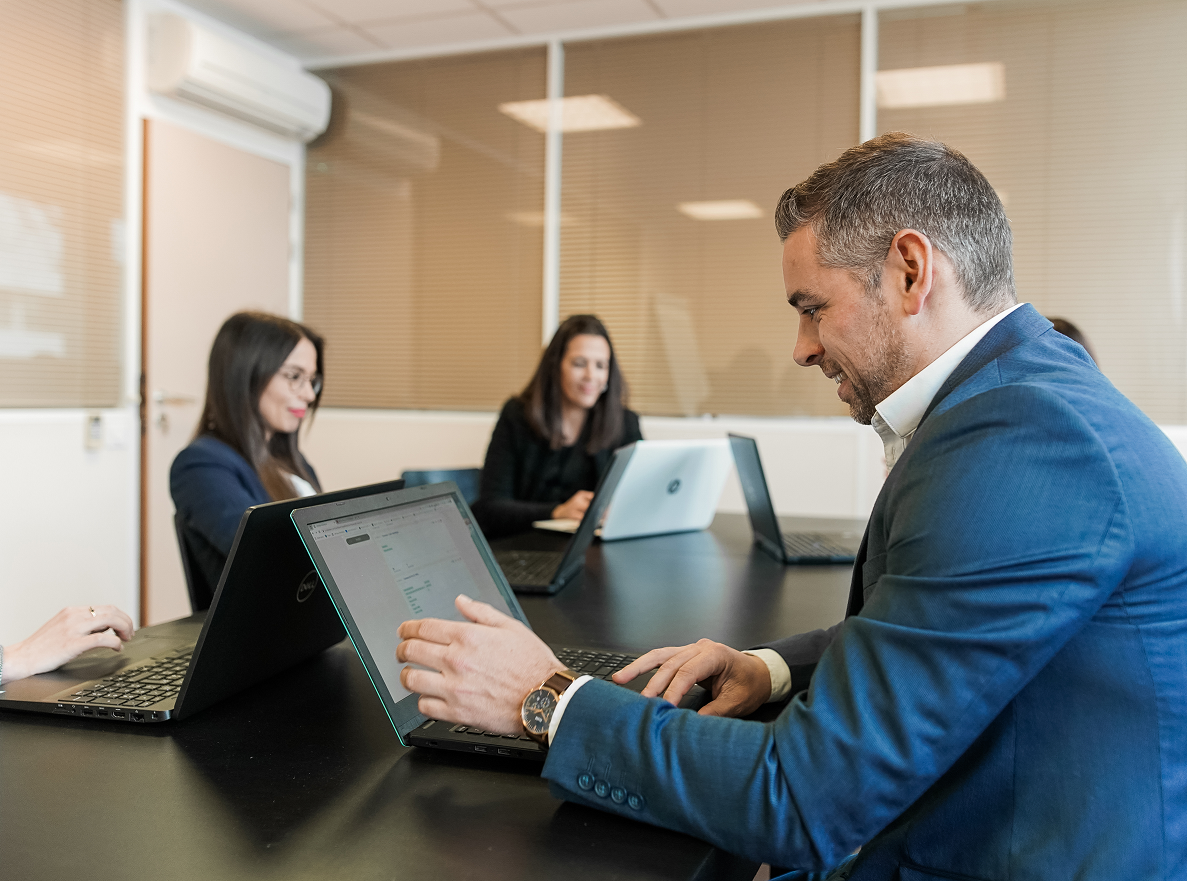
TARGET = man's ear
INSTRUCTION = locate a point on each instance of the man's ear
(909, 273)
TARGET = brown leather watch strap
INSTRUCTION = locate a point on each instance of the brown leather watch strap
(560, 681)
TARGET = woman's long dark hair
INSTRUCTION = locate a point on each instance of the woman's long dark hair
(248, 350)
(542, 398)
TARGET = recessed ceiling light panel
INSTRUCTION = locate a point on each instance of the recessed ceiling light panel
(579, 113)
(722, 209)
(943, 86)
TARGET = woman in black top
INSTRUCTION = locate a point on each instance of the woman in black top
(553, 442)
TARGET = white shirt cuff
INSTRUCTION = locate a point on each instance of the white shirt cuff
(780, 674)
(564, 702)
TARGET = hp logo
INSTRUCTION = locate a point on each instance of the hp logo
(308, 585)
(674, 486)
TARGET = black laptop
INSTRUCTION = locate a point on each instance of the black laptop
(269, 613)
(789, 547)
(548, 571)
(393, 556)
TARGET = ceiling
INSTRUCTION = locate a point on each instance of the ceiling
(315, 30)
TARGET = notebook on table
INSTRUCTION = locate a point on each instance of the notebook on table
(789, 547)
(395, 556)
(269, 613)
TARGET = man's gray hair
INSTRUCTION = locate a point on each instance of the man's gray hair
(859, 202)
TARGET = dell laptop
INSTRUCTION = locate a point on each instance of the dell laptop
(789, 547)
(548, 571)
(269, 613)
(393, 556)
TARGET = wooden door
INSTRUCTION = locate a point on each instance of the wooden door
(216, 241)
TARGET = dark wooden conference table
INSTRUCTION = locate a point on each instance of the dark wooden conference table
(303, 778)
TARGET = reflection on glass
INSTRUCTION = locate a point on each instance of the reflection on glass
(943, 86)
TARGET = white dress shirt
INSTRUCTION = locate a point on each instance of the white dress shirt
(895, 420)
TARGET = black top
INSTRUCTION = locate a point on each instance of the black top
(523, 478)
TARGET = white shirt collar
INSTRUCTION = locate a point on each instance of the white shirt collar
(897, 417)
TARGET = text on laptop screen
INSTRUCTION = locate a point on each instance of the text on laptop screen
(402, 562)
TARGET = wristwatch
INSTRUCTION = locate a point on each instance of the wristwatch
(540, 704)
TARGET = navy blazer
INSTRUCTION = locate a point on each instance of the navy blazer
(1008, 697)
(212, 485)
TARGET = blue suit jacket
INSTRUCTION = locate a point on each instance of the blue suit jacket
(1008, 698)
(212, 485)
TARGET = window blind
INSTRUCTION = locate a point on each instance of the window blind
(1086, 142)
(424, 232)
(61, 202)
(667, 225)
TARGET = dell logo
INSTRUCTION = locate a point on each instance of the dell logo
(674, 485)
(308, 585)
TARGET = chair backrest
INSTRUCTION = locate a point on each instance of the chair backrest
(467, 480)
(201, 593)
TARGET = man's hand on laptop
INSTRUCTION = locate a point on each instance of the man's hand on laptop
(478, 673)
(65, 636)
(739, 683)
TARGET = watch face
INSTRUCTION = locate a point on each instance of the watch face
(537, 711)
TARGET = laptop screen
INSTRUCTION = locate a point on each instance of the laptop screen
(398, 562)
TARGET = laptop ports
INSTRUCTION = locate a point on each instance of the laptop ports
(138, 717)
(100, 712)
(88, 711)
(117, 714)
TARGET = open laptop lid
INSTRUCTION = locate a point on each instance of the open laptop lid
(269, 611)
(398, 555)
(574, 558)
(669, 486)
(758, 497)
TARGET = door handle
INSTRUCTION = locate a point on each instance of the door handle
(161, 396)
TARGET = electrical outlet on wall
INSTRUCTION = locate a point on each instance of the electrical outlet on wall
(93, 425)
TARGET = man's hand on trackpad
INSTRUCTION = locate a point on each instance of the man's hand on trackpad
(739, 683)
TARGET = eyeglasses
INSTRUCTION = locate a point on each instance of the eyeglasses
(297, 379)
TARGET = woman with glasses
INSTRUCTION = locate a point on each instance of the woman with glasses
(265, 378)
(554, 440)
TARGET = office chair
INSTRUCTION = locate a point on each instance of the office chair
(201, 593)
(467, 480)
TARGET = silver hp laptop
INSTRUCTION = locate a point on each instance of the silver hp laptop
(269, 613)
(668, 486)
(789, 547)
(547, 572)
(394, 556)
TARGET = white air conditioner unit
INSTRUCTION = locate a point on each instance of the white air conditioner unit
(191, 63)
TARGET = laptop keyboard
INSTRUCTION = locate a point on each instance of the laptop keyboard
(529, 567)
(814, 545)
(142, 686)
(588, 662)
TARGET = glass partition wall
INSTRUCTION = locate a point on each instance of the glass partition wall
(425, 232)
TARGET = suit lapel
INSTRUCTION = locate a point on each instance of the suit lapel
(856, 589)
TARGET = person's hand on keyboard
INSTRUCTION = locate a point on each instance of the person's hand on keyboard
(65, 636)
(739, 683)
(478, 672)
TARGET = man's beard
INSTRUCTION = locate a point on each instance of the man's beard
(885, 370)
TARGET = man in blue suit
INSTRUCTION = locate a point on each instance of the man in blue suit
(1007, 696)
